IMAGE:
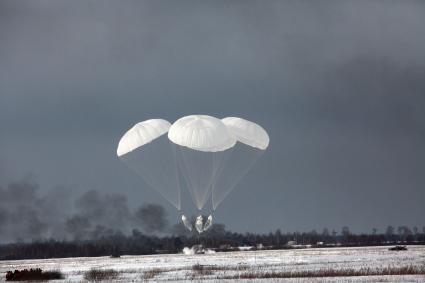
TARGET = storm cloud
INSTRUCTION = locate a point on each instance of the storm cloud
(339, 85)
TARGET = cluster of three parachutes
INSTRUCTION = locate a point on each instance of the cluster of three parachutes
(210, 156)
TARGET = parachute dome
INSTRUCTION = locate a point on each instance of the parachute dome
(141, 134)
(202, 133)
(247, 132)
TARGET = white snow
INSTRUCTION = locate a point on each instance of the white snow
(178, 267)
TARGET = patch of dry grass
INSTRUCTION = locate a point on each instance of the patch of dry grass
(100, 274)
(150, 274)
(33, 275)
(202, 270)
(367, 271)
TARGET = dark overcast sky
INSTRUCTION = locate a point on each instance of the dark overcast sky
(339, 85)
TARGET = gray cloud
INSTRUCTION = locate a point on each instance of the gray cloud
(338, 84)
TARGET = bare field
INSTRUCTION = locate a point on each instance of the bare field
(368, 264)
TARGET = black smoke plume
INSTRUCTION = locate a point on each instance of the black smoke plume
(28, 215)
(152, 217)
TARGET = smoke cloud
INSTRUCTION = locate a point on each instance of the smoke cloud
(152, 217)
(27, 215)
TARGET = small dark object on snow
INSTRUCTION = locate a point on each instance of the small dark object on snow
(115, 256)
(398, 248)
(32, 274)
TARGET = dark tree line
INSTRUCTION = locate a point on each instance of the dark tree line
(217, 237)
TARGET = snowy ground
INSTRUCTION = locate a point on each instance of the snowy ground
(179, 267)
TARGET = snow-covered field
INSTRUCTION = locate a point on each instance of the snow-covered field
(179, 267)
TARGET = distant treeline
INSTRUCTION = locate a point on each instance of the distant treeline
(217, 238)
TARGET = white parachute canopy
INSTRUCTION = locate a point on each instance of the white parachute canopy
(141, 134)
(145, 149)
(253, 140)
(200, 143)
(247, 132)
(202, 133)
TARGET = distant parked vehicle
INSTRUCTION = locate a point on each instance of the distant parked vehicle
(398, 248)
